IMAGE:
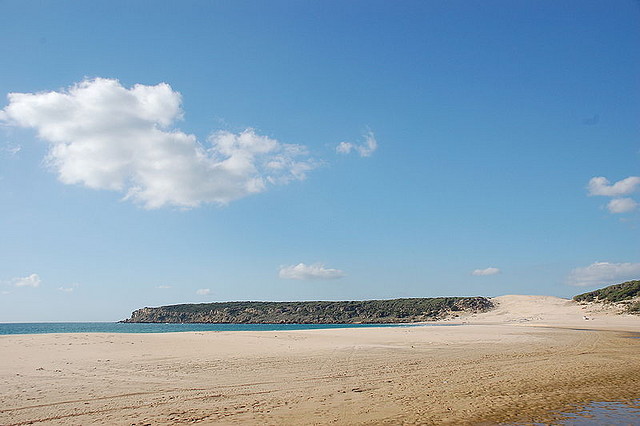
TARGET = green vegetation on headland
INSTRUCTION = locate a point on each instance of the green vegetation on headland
(618, 293)
(356, 312)
(347, 312)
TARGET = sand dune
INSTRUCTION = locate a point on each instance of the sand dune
(554, 312)
(500, 366)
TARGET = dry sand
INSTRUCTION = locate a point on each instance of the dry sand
(531, 355)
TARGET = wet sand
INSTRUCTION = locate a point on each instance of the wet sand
(517, 363)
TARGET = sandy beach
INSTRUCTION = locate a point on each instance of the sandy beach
(528, 357)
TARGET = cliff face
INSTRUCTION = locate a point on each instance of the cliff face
(369, 311)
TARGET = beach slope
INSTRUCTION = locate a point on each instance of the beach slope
(528, 357)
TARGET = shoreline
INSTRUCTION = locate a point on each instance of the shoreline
(26, 329)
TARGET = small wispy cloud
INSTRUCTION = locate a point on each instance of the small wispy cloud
(365, 149)
(486, 271)
(603, 273)
(601, 186)
(203, 291)
(70, 289)
(163, 287)
(12, 150)
(619, 191)
(317, 271)
(32, 280)
(622, 205)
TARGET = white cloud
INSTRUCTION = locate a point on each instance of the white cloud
(344, 147)
(317, 271)
(104, 136)
(69, 289)
(603, 273)
(601, 186)
(32, 280)
(12, 150)
(486, 271)
(365, 149)
(203, 291)
(621, 205)
(163, 287)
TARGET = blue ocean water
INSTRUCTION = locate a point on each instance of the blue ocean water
(597, 413)
(115, 327)
(605, 413)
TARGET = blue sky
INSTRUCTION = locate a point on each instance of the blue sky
(190, 151)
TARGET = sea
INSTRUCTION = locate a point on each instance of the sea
(597, 413)
(117, 327)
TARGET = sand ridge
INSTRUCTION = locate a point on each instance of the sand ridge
(515, 363)
(554, 312)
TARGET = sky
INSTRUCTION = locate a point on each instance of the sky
(164, 152)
